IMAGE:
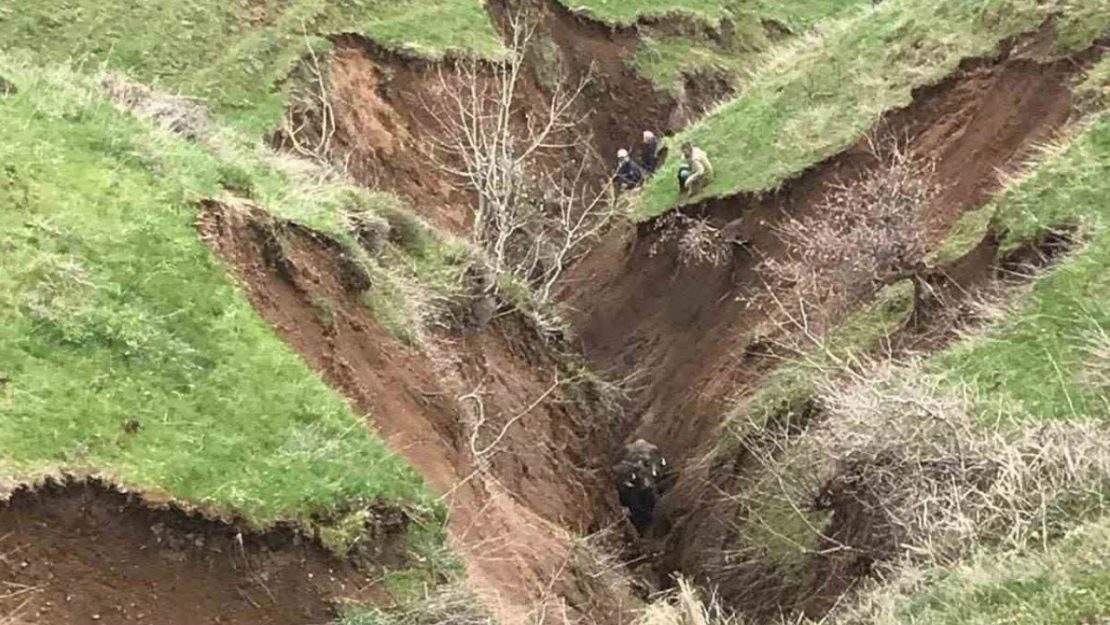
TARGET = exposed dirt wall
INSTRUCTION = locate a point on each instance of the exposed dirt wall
(548, 474)
(86, 553)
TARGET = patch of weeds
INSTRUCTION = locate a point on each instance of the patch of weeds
(388, 302)
(448, 604)
(964, 235)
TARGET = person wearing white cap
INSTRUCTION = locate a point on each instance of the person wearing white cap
(629, 174)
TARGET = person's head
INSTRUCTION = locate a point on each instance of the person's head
(687, 149)
(648, 135)
(622, 154)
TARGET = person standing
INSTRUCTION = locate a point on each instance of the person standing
(649, 152)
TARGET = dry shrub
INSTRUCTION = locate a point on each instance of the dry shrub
(308, 126)
(684, 606)
(697, 242)
(914, 456)
(177, 114)
(865, 233)
(450, 604)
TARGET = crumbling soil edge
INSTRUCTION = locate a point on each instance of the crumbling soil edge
(83, 548)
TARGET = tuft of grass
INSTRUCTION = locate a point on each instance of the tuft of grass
(233, 55)
(114, 313)
(448, 604)
(821, 94)
(1093, 94)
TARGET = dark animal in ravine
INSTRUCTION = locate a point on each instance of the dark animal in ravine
(642, 475)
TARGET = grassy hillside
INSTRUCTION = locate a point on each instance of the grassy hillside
(1049, 361)
(233, 55)
(127, 350)
(819, 96)
(721, 38)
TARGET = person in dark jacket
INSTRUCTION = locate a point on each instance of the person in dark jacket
(629, 174)
(649, 152)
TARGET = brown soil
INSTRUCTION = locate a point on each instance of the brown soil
(84, 553)
(547, 475)
(690, 338)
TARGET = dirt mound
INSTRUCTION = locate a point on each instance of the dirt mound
(689, 337)
(85, 552)
(546, 469)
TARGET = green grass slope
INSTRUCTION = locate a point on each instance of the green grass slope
(1049, 361)
(126, 349)
(816, 97)
(1067, 584)
(234, 55)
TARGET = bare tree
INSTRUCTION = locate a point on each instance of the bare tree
(534, 205)
(867, 232)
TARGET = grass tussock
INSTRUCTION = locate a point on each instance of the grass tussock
(902, 442)
(685, 606)
(1064, 584)
(816, 96)
(449, 604)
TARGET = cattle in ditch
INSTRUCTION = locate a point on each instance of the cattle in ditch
(641, 475)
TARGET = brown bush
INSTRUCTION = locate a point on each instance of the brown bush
(866, 233)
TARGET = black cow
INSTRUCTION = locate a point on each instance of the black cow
(641, 476)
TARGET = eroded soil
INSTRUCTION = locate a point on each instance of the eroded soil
(545, 473)
(85, 553)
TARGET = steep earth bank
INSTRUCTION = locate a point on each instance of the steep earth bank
(520, 460)
(686, 339)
